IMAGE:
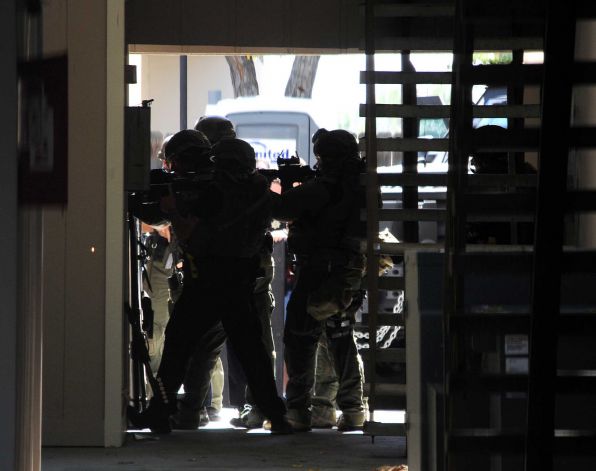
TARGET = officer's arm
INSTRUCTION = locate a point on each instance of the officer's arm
(296, 202)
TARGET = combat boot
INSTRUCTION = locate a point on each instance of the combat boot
(299, 419)
(189, 420)
(156, 417)
(323, 417)
(350, 421)
(250, 418)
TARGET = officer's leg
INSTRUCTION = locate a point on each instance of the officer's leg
(325, 388)
(182, 333)
(236, 378)
(197, 379)
(244, 332)
(350, 372)
(156, 285)
(301, 335)
(264, 303)
(217, 385)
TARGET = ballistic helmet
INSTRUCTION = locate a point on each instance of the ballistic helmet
(335, 150)
(188, 151)
(337, 144)
(234, 157)
(215, 128)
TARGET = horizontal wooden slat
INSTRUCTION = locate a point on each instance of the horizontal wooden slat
(515, 204)
(422, 195)
(412, 215)
(408, 111)
(386, 77)
(511, 140)
(506, 111)
(412, 145)
(501, 74)
(444, 111)
(412, 179)
(388, 248)
(527, 180)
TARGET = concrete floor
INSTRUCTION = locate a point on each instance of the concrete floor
(219, 446)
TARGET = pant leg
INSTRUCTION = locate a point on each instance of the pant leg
(264, 305)
(189, 322)
(301, 336)
(326, 380)
(244, 331)
(157, 288)
(217, 385)
(237, 382)
(197, 378)
(349, 369)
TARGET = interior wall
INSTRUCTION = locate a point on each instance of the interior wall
(8, 236)
(250, 25)
(83, 242)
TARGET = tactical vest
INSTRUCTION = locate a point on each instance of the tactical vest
(238, 228)
(337, 228)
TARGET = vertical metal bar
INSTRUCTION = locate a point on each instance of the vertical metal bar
(183, 92)
(410, 159)
(559, 47)
(372, 201)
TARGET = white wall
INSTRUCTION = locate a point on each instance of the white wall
(83, 243)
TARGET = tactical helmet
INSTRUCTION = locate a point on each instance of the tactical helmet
(336, 144)
(187, 151)
(234, 157)
(215, 128)
(337, 151)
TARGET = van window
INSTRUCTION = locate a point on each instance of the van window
(270, 141)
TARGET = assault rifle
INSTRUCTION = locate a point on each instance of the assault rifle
(289, 172)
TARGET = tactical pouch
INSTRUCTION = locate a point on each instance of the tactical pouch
(335, 293)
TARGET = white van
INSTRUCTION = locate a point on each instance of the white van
(280, 127)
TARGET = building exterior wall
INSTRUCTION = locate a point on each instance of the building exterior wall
(160, 80)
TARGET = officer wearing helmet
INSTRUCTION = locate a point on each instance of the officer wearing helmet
(324, 234)
(195, 384)
(235, 201)
(215, 128)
